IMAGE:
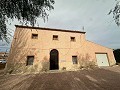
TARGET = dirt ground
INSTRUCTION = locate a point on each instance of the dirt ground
(105, 78)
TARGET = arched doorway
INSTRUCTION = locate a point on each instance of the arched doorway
(54, 62)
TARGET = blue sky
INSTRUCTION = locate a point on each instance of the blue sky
(74, 14)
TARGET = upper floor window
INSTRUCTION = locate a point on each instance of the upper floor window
(34, 36)
(55, 37)
(72, 39)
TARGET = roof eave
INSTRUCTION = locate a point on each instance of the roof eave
(51, 29)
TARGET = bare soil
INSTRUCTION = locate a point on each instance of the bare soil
(105, 78)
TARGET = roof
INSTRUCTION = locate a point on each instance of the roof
(51, 29)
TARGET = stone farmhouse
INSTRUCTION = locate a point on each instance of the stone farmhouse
(42, 49)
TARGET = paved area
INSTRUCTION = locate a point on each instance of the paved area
(105, 78)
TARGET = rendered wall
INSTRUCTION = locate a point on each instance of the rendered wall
(23, 46)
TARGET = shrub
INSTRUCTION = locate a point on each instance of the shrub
(84, 61)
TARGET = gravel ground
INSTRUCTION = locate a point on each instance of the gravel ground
(104, 78)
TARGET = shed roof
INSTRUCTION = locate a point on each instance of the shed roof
(51, 29)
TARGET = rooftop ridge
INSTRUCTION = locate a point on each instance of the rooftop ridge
(51, 29)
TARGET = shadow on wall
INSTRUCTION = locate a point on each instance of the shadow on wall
(85, 61)
(45, 64)
(18, 51)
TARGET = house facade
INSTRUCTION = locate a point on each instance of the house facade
(41, 49)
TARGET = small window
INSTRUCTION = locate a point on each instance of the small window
(34, 36)
(30, 60)
(72, 39)
(55, 37)
(74, 60)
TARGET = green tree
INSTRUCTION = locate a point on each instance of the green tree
(117, 55)
(26, 11)
(116, 13)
